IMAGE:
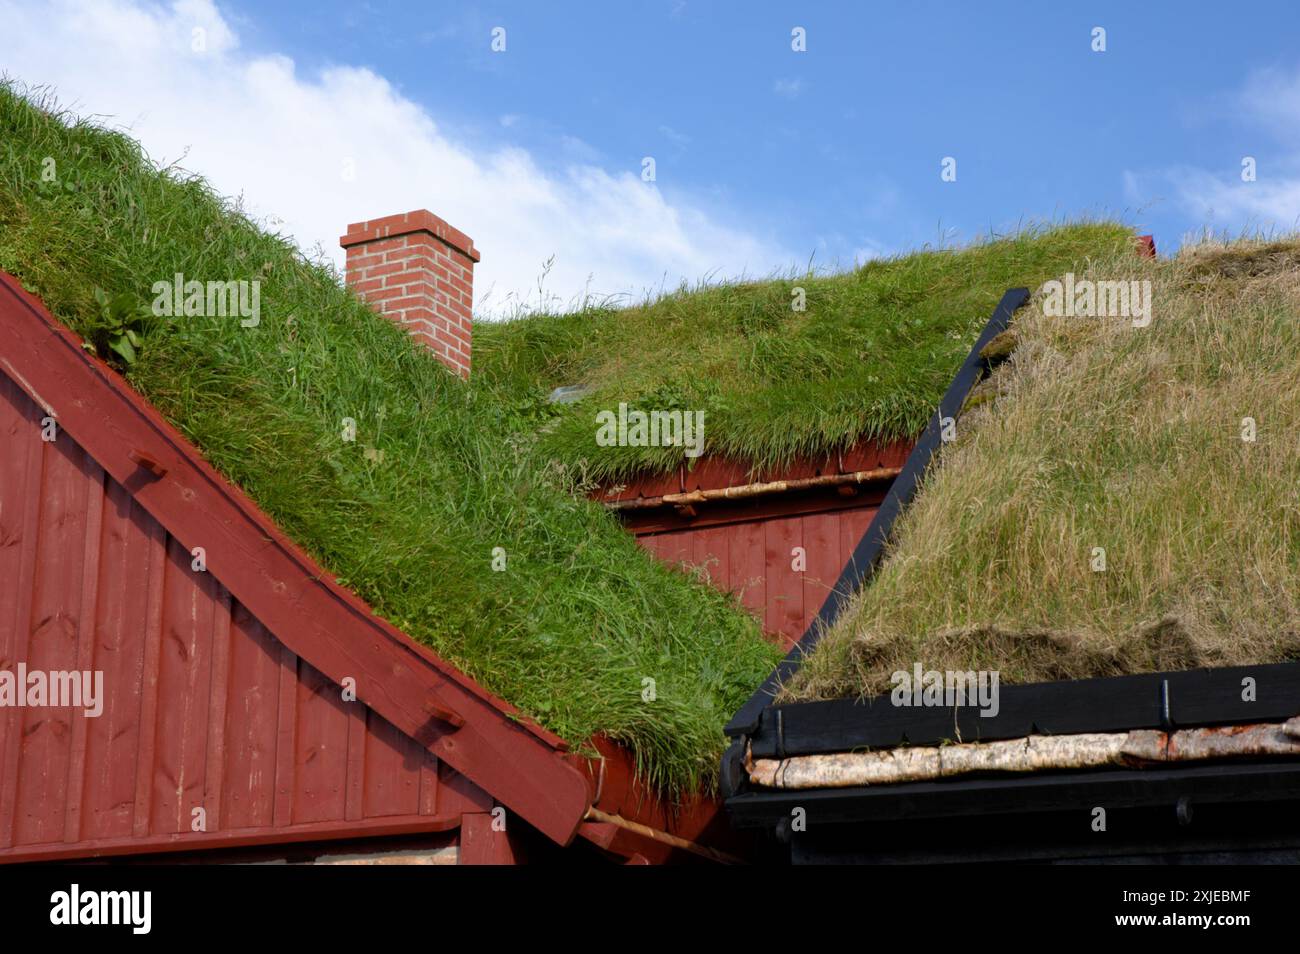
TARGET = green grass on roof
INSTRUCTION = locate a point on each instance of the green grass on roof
(1102, 436)
(870, 355)
(580, 618)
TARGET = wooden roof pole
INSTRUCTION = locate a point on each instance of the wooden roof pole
(756, 490)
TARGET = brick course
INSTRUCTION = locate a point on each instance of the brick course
(417, 270)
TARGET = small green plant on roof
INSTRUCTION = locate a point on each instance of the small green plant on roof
(116, 330)
(1122, 499)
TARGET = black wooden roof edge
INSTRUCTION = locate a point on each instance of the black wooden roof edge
(1225, 781)
(1220, 696)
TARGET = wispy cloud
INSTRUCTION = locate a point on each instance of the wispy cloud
(678, 139)
(1219, 201)
(1262, 119)
(789, 88)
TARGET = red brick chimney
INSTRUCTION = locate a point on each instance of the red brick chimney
(419, 271)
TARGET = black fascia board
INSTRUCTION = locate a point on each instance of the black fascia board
(1227, 781)
(1224, 696)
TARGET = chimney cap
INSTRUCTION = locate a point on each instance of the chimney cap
(406, 223)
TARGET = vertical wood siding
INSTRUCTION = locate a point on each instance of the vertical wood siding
(203, 707)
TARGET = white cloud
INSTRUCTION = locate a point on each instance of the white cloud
(253, 126)
(1227, 202)
(1263, 118)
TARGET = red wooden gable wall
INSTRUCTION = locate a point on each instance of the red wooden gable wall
(203, 707)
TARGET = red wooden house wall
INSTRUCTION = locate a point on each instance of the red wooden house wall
(203, 707)
(748, 547)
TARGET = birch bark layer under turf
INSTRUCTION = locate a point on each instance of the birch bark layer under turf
(1036, 753)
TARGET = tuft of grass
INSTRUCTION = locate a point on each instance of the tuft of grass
(870, 355)
(1104, 435)
(581, 615)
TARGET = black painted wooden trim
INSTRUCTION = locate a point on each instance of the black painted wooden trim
(1040, 792)
(1168, 700)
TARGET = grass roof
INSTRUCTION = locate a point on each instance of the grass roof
(442, 473)
(1171, 447)
(870, 355)
(580, 617)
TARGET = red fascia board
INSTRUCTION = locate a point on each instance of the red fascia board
(515, 760)
(235, 838)
(616, 790)
(627, 844)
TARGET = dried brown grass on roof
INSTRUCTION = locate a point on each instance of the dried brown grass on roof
(1099, 434)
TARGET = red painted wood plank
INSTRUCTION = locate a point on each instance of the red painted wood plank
(87, 617)
(22, 497)
(357, 715)
(459, 795)
(240, 838)
(821, 541)
(652, 543)
(623, 794)
(430, 788)
(634, 849)
(286, 737)
(219, 694)
(113, 739)
(320, 776)
(392, 787)
(152, 638)
(711, 473)
(184, 692)
(252, 718)
(849, 537)
(711, 550)
(482, 844)
(858, 521)
(52, 643)
(781, 537)
(675, 548)
(748, 567)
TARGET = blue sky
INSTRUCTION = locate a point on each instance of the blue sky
(839, 147)
(765, 157)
